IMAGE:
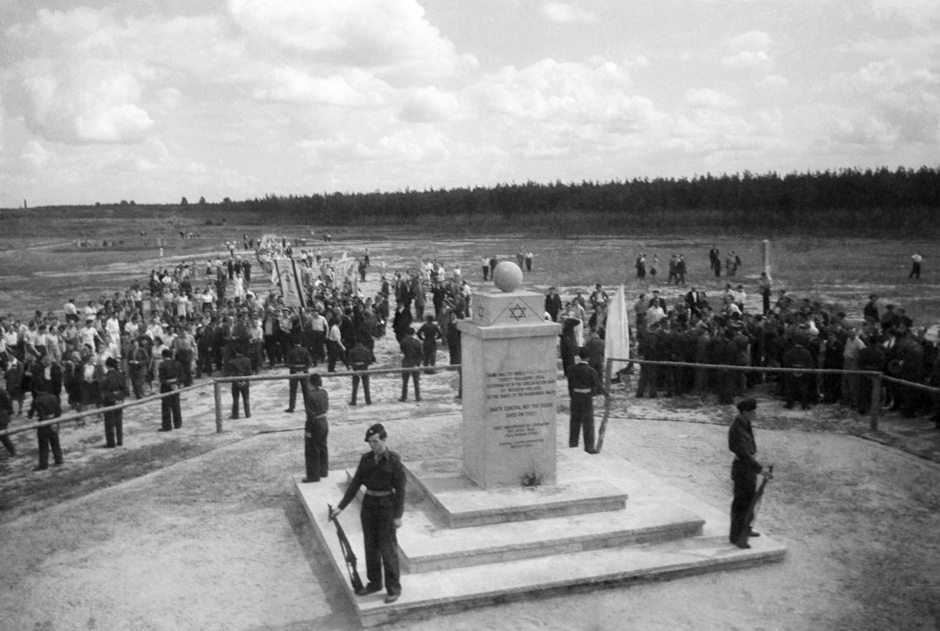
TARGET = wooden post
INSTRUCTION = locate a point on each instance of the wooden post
(875, 401)
(599, 443)
(218, 407)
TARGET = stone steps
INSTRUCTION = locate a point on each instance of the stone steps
(661, 533)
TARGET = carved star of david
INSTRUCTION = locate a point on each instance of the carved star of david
(517, 313)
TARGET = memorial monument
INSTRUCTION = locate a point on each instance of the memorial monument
(509, 374)
(516, 516)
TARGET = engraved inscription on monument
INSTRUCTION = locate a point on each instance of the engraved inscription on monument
(520, 406)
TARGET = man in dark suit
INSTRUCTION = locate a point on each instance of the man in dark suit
(170, 374)
(46, 406)
(113, 391)
(239, 366)
(553, 304)
(412, 354)
(695, 300)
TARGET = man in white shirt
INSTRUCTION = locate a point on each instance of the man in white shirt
(71, 311)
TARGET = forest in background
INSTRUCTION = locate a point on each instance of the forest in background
(865, 202)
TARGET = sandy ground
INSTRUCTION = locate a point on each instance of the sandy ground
(217, 539)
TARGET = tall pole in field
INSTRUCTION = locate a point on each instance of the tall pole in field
(767, 257)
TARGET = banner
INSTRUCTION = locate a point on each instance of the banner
(617, 332)
(290, 281)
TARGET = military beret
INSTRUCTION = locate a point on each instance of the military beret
(747, 405)
(378, 428)
(111, 362)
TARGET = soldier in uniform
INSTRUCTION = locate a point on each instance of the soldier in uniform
(360, 357)
(381, 471)
(298, 361)
(429, 334)
(744, 472)
(45, 406)
(798, 384)
(583, 385)
(650, 348)
(170, 374)
(412, 353)
(113, 390)
(239, 366)
(316, 430)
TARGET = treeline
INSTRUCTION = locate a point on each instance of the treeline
(904, 201)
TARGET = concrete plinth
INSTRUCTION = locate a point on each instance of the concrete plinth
(661, 533)
(508, 371)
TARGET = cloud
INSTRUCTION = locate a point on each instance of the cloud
(563, 13)
(353, 88)
(387, 36)
(429, 104)
(773, 83)
(747, 59)
(37, 156)
(750, 50)
(711, 99)
(885, 102)
(550, 109)
(83, 76)
(752, 40)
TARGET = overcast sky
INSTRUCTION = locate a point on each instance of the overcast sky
(152, 100)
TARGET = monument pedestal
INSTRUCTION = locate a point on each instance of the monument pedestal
(508, 368)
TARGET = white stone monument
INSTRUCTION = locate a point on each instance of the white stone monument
(508, 354)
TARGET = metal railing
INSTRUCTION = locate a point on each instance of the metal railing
(218, 381)
(80, 416)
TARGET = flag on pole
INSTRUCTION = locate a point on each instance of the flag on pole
(617, 332)
(290, 281)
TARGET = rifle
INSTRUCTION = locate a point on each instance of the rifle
(348, 554)
(759, 495)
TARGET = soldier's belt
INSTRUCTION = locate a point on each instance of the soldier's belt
(319, 416)
(379, 493)
(582, 390)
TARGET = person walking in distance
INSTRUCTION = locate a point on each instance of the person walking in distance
(917, 262)
(316, 431)
(744, 472)
(381, 471)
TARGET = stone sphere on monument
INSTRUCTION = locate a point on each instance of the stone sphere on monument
(507, 276)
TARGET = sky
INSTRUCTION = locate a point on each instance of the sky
(155, 100)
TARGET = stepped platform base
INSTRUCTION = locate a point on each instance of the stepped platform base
(464, 504)
(662, 533)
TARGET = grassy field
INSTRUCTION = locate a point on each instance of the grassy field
(42, 266)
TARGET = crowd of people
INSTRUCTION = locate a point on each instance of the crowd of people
(176, 327)
(794, 333)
